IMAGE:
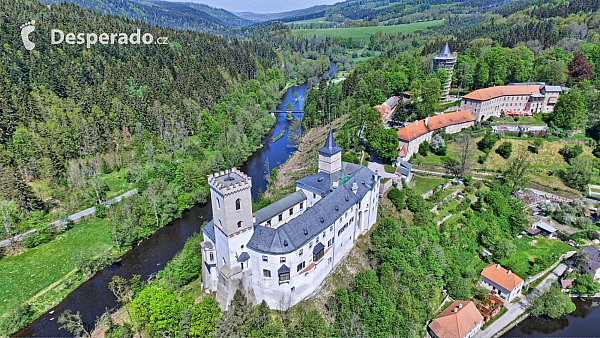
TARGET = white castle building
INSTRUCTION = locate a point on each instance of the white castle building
(283, 252)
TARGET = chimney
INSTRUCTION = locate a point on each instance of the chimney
(508, 273)
(455, 310)
(426, 121)
(336, 183)
(497, 266)
(460, 306)
(354, 188)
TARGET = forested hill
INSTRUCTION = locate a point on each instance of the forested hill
(61, 102)
(177, 15)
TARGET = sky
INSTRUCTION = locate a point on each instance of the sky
(262, 6)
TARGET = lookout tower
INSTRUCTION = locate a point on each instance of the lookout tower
(446, 60)
(232, 214)
(330, 156)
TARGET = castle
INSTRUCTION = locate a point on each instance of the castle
(534, 97)
(445, 60)
(311, 230)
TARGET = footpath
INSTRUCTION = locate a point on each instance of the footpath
(75, 217)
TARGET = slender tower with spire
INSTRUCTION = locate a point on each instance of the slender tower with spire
(446, 60)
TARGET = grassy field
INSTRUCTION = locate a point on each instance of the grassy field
(522, 121)
(364, 33)
(25, 275)
(543, 164)
(422, 184)
(315, 20)
(527, 253)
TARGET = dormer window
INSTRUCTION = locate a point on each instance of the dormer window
(284, 273)
(318, 252)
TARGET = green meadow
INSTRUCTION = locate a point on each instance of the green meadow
(364, 33)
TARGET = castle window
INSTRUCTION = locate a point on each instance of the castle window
(284, 273)
(300, 266)
(266, 273)
(212, 256)
(310, 245)
(218, 203)
(281, 259)
(269, 223)
(238, 204)
(265, 258)
(330, 242)
(285, 276)
(331, 228)
(301, 205)
(280, 217)
(291, 211)
(293, 288)
(239, 224)
(301, 252)
(318, 252)
(323, 234)
(314, 195)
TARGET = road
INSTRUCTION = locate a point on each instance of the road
(374, 166)
(74, 217)
(515, 310)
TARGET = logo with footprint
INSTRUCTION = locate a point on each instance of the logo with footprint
(26, 29)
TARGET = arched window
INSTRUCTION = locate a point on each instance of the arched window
(238, 204)
(239, 224)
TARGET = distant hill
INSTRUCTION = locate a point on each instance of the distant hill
(299, 14)
(177, 15)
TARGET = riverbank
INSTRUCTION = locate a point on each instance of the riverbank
(303, 162)
(581, 323)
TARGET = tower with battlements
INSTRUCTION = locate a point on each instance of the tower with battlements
(446, 60)
(231, 201)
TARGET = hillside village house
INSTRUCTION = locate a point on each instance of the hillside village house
(515, 97)
(411, 136)
(461, 319)
(591, 261)
(503, 282)
(283, 252)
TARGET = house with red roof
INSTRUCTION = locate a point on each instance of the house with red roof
(411, 136)
(502, 282)
(461, 319)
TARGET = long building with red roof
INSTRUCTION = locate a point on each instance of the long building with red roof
(411, 136)
(515, 97)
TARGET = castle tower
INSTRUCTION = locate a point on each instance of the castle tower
(445, 60)
(232, 216)
(330, 156)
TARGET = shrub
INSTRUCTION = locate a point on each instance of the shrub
(424, 148)
(397, 197)
(569, 152)
(505, 149)
(39, 238)
(487, 142)
(100, 211)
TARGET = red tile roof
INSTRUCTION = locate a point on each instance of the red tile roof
(422, 127)
(494, 92)
(501, 276)
(450, 324)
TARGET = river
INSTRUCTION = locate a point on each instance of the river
(93, 297)
(583, 322)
